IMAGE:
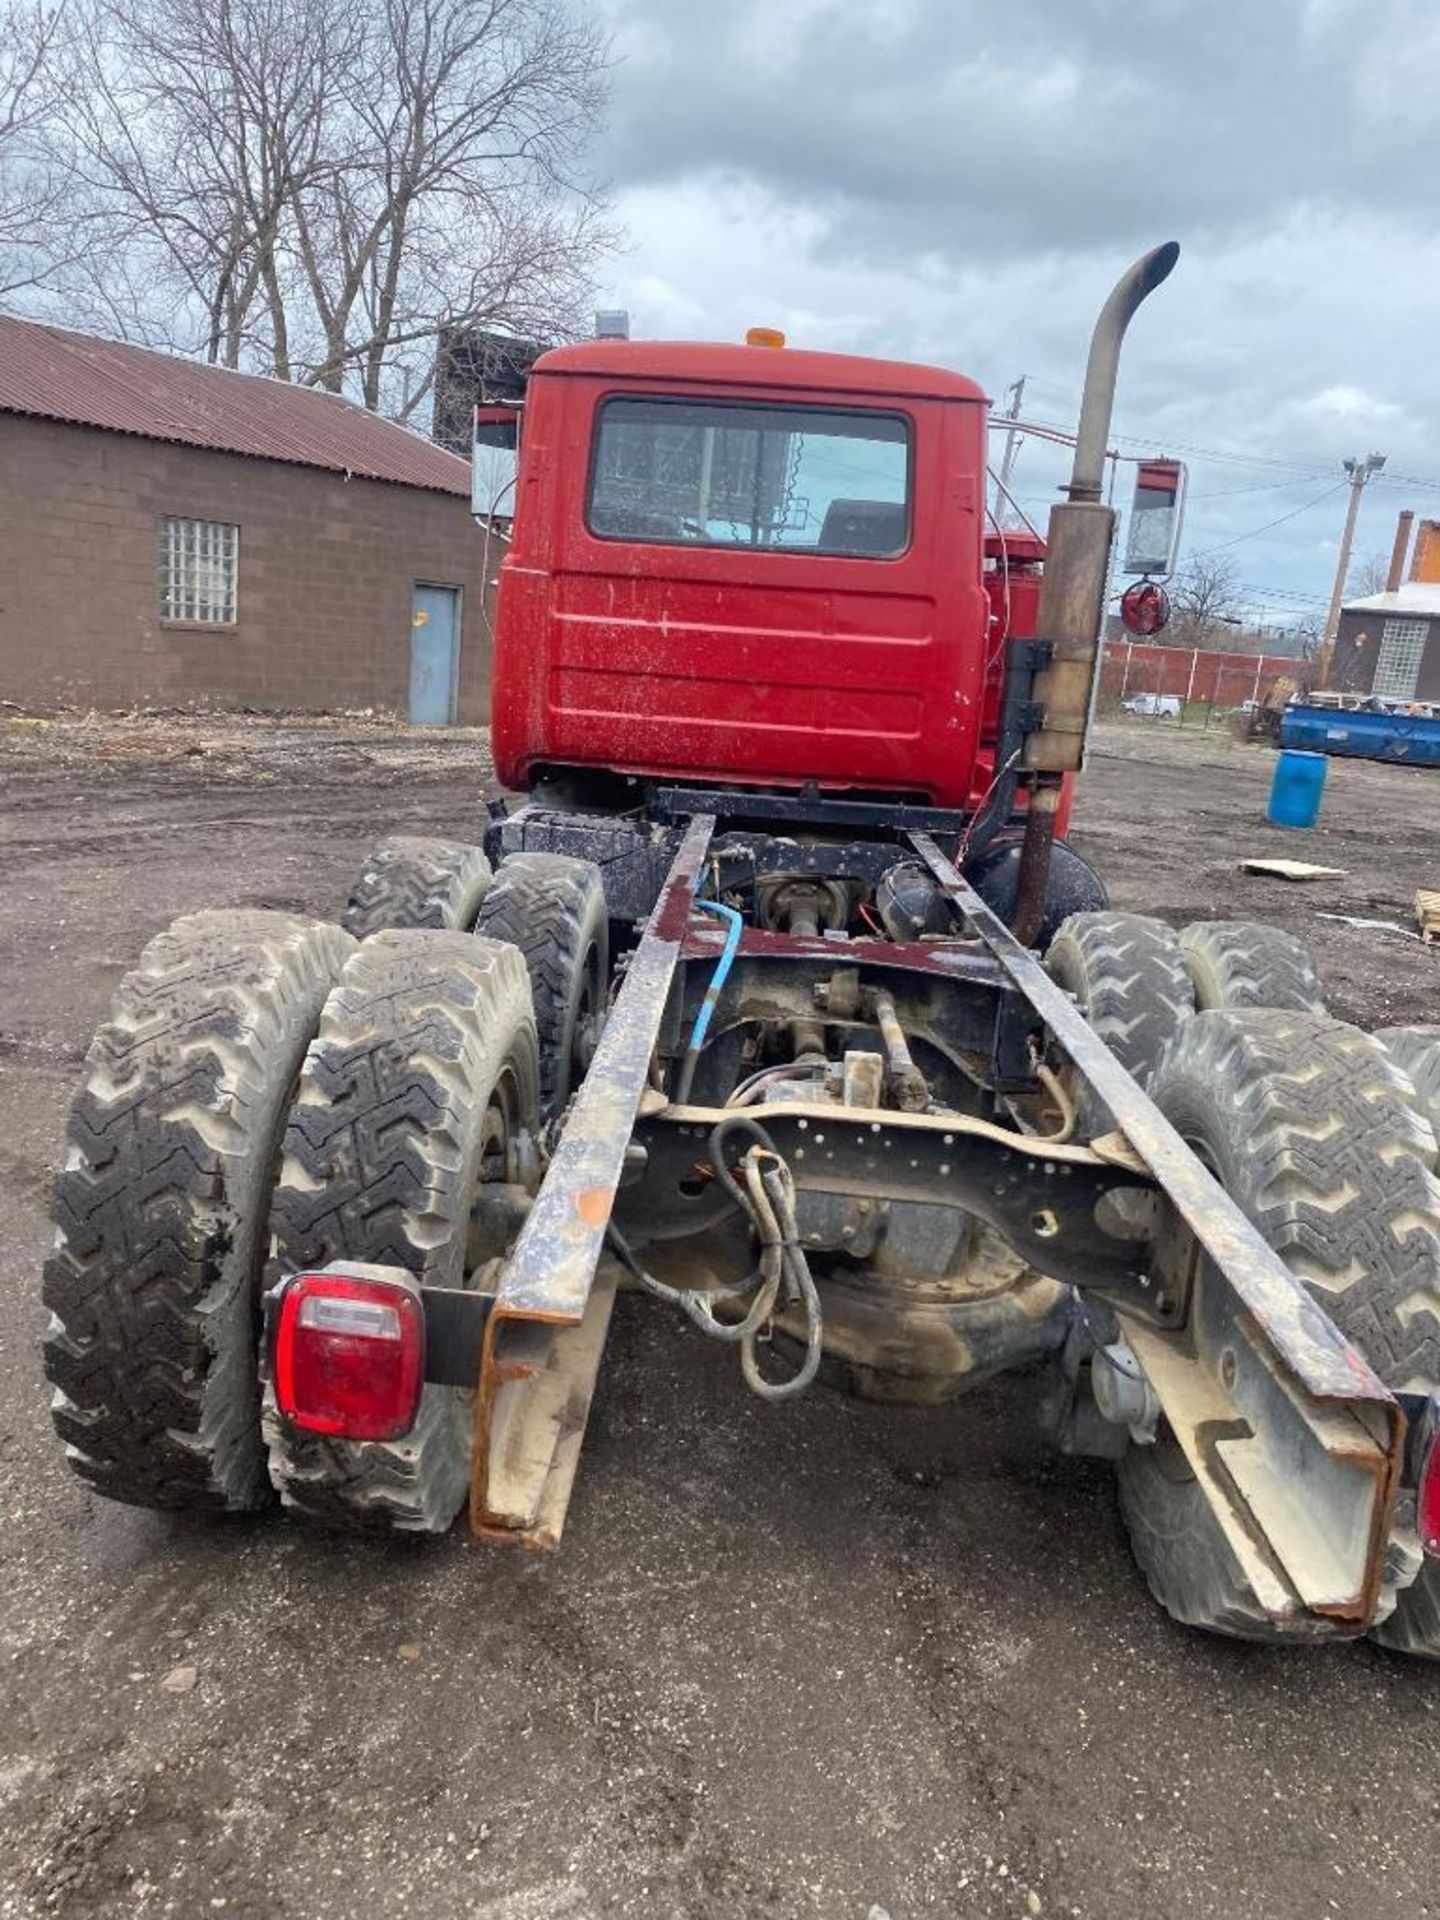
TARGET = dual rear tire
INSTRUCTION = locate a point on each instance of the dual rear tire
(203, 1090)
(1325, 1139)
(549, 906)
(1313, 1133)
(269, 1095)
(1138, 982)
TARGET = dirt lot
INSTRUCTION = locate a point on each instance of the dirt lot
(819, 1661)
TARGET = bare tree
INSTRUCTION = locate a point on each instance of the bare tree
(32, 177)
(468, 120)
(1307, 633)
(1207, 602)
(194, 128)
(1369, 574)
(318, 188)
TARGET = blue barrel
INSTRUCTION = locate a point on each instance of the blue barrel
(1297, 789)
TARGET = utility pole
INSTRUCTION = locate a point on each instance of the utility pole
(1014, 394)
(1359, 472)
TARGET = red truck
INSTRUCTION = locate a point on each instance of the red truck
(774, 991)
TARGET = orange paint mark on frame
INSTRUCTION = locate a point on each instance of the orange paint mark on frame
(593, 1205)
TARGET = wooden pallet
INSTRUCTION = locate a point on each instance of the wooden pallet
(1427, 912)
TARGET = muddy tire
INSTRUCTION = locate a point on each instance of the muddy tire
(153, 1285)
(1309, 1129)
(1414, 1627)
(1240, 964)
(410, 881)
(424, 1072)
(1416, 1052)
(552, 907)
(1127, 975)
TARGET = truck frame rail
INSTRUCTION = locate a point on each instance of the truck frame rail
(1295, 1441)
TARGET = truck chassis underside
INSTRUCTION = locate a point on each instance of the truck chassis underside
(1295, 1441)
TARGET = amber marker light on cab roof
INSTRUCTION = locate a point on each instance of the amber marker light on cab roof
(764, 337)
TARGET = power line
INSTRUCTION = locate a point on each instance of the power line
(1226, 457)
(1283, 597)
(1263, 486)
(1255, 532)
(1407, 480)
(1284, 593)
(1051, 431)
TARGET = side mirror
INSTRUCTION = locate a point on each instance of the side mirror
(1156, 516)
(494, 462)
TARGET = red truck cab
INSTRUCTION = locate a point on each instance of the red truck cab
(753, 566)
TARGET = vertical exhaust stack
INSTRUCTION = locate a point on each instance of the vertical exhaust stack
(1400, 551)
(1072, 593)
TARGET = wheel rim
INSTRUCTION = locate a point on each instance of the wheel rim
(499, 1140)
(499, 1129)
(584, 1035)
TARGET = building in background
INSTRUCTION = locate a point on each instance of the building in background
(1388, 644)
(172, 533)
(474, 368)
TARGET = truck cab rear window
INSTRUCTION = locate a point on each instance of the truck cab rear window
(791, 479)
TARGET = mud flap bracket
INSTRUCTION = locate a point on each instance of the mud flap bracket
(1293, 1437)
(546, 1333)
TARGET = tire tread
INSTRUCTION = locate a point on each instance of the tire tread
(549, 906)
(380, 1164)
(1128, 977)
(172, 1141)
(1244, 964)
(413, 880)
(1317, 1141)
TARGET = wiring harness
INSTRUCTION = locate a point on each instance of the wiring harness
(762, 1186)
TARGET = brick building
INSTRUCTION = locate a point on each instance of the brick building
(1388, 644)
(173, 533)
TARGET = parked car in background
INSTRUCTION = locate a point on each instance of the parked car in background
(1158, 706)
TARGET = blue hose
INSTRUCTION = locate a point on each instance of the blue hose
(712, 994)
(722, 969)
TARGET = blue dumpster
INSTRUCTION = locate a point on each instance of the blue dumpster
(1411, 738)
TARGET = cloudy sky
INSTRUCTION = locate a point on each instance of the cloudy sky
(960, 181)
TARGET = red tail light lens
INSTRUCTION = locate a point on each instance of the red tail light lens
(1427, 1499)
(350, 1355)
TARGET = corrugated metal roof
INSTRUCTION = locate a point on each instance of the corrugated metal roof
(1420, 599)
(53, 374)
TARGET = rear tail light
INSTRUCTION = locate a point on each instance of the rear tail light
(349, 1354)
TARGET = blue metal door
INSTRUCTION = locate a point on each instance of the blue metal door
(434, 655)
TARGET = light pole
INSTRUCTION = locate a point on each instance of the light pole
(1359, 472)
(1014, 393)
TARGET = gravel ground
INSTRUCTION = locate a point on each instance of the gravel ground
(816, 1661)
